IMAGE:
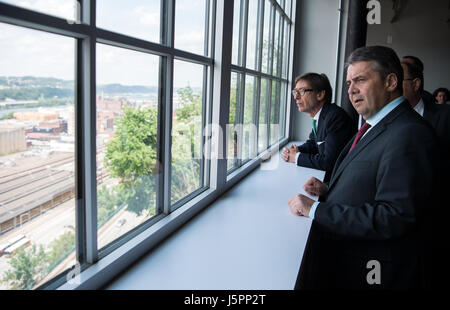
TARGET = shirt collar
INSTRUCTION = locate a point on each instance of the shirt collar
(420, 107)
(316, 117)
(376, 118)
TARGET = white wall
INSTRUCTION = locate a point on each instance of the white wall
(422, 31)
(316, 42)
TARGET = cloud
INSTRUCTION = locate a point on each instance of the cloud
(147, 16)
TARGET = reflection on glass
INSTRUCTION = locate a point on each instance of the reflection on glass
(190, 17)
(232, 135)
(249, 130)
(262, 127)
(137, 18)
(251, 33)
(37, 143)
(236, 30)
(187, 148)
(68, 9)
(266, 37)
(127, 126)
(275, 112)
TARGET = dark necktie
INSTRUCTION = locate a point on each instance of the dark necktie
(360, 133)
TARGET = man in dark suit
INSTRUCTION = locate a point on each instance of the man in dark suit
(370, 226)
(437, 115)
(331, 129)
(439, 118)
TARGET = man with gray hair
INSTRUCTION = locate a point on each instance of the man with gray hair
(370, 224)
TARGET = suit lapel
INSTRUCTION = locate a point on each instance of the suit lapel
(345, 158)
(321, 127)
(429, 113)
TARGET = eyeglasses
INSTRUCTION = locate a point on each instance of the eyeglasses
(301, 92)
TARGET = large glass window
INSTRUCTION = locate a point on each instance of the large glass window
(139, 18)
(249, 128)
(263, 108)
(187, 129)
(68, 9)
(252, 34)
(190, 30)
(37, 156)
(232, 129)
(266, 37)
(262, 81)
(127, 134)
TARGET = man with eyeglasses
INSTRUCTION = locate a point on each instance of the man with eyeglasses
(331, 126)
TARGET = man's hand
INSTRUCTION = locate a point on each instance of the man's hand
(288, 154)
(300, 205)
(315, 187)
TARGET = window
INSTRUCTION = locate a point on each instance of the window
(140, 18)
(258, 97)
(103, 122)
(187, 124)
(37, 156)
(127, 132)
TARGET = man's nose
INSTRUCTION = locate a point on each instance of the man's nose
(352, 89)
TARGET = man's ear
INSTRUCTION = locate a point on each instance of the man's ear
(320, 95)
(417, 83)
(391, 82)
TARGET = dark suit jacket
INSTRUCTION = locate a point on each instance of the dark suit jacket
(334, 131)
(376, 208)
(439, 118)
(438, 115)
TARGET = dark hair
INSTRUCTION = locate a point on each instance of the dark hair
(416, 61)
(444, 90)
(318, 82)
(414, 72)
(384, 59)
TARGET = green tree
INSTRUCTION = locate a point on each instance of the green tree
(28, 267)
(107, 202)
(186, 144)
(132, 157)
(61, 246)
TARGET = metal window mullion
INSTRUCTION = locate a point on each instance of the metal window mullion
(207, 30)
(209, 108)
(221, 90)
(88, 86)
(203, 116)
(167, 89)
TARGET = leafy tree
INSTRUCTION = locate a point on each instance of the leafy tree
(132, 157)
(107, 202)
(186, 144)
(28, 266)
(61, 246)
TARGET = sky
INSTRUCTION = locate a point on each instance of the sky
(30, 52)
